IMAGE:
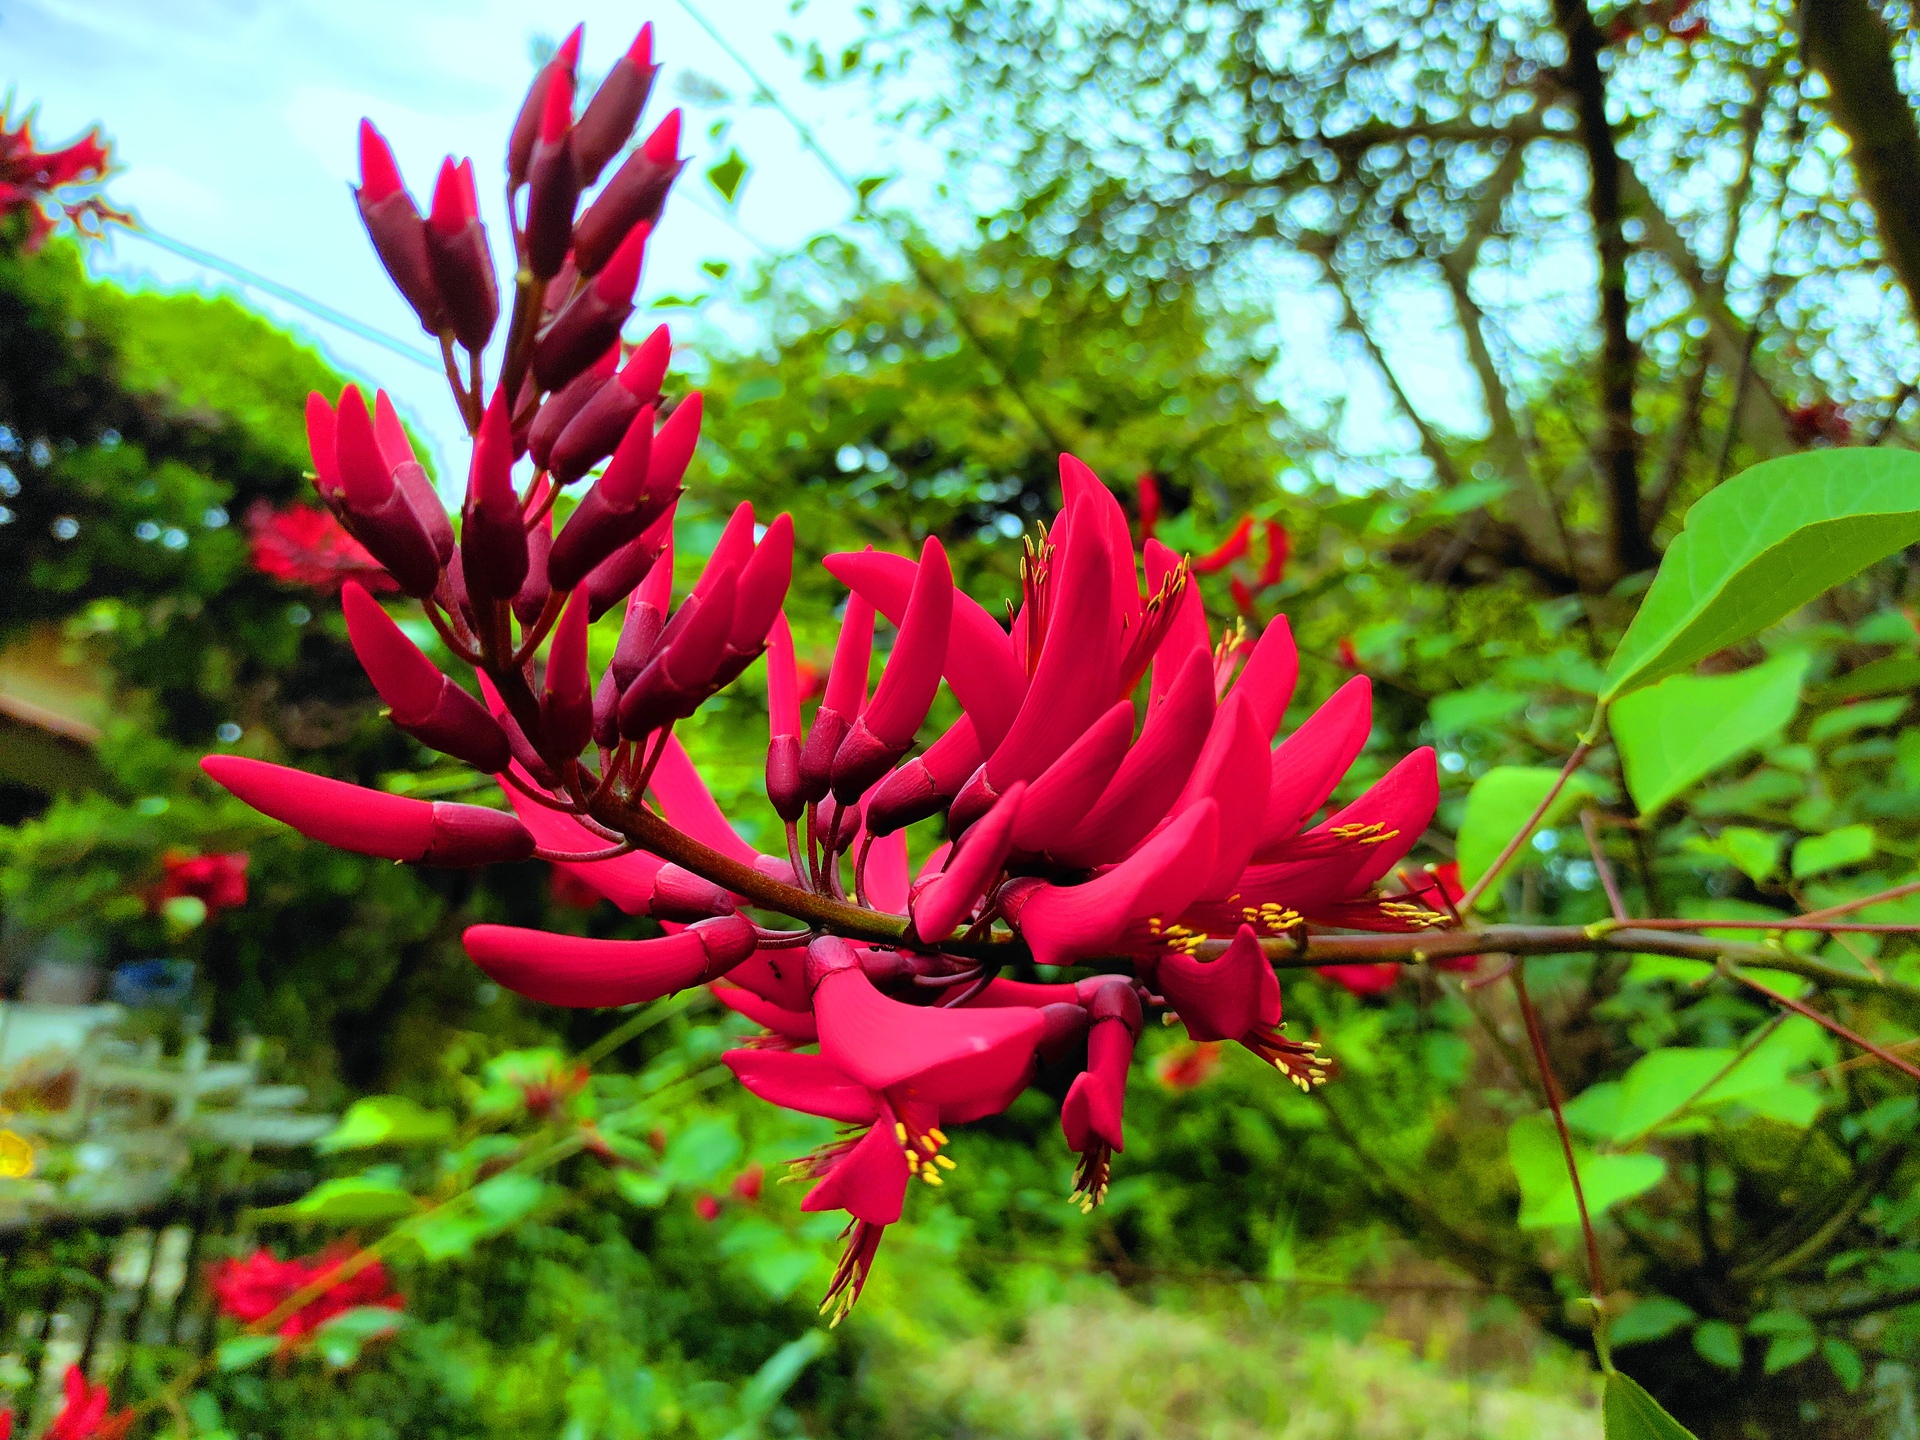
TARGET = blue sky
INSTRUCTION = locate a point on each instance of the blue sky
(234, 122)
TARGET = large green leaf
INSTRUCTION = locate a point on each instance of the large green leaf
(387, 1120)
(1688, 726)
(1546, 1192)
(1760, 546)
(1848, 845)
(1632, 1414)
(350, 1200)
(1498, 805)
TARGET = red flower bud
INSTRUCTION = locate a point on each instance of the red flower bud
(424, 702)
(321, 444)
(551, 420)
(614, 578)
(526, 124)
(884, 731)
(681, 673)
(534, 590)
(631, 198)
(394, 225)
(592, 319)
(379, 513)
(553, 182)
(462, 263)
(615, 108)
(371, 822)
(391, 436)
(926, 784)
(629, 496)
(493, 537)
(569, 970)
(591, 434)
(1229, 550)
(566, 700)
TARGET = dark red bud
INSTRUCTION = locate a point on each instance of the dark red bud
(816, 756)
(632, 197)
(462, 263)
(532, 599)
(640, 629)
(366, 478)
(646, 368)
(615, 577)
(551, 420)
(566, 700)
(394, 225)
(423, 702)
(763, 587)
(592, 434)
(615, 108)
(493, 537)
(592, 319)
(322, 443)
(621, 504)
(380, 514)
(553, 181)
(679, 677)
(783, 777)
(682, 896)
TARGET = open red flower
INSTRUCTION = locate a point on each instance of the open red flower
(217, 881)
(251, 1289)
(84, 1412)
(309, 548)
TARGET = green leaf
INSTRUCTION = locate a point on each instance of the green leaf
(244, 1350)
(649, 1192)
(340, 1339)
(1755, 853)
(1862, 715)
(1896, 672)
(700, 1152)
(448, 1235)
(1718, 1343)
(1498, 805)
(506, 1199)
(1681, 730)
(1848, 845)
(1651, 1319)
(1632, 1414)
(387, 1120)
(774, 1378)
(1760, 546)
(728, 174)
(350, 1200)
(867, 185)
(1788, 1348)
(1846, 1362)
(1660, 1085)
(1546, 1192)
(1473, 709)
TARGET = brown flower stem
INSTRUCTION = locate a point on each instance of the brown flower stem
(1827, 1022)
(1608, 882)
(1539, 811)
(1786, 922)
(469, 407)
(1596, 1278)
(1849, 906)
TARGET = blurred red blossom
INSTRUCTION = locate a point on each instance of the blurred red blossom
(249, 1290)
(707, 1208)
(1188, 1067)
(747, 1184)
(30, 178)
(83, 1413)
(217, 881)
(307, 547)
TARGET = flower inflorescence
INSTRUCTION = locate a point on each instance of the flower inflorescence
(1111, 794)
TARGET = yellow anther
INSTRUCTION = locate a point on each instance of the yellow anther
(944, 1163)
(938, 1137)
(931, 1177)
(900, 1132)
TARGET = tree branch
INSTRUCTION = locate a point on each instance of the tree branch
(1618, 457)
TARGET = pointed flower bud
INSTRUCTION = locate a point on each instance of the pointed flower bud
(493, 537)
(615, 108)
(783, 724)
(926, 784)
(553, 181)
(846, 696)
(615, 577)
(321, 444)
(526, 124)
(462, 263)
(592, 319)
(424, 702)
(566, 700)
(633, 197)
(551, 420)
(394, 225)
(613, 512)
(952, 896)
(376, 509)
(397, 450)
(371, 822)
(885, 729)
(591, 434)
(584, 974)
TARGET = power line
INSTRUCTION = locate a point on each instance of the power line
(316, 308)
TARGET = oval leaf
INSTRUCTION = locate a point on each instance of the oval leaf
(1674, 733)
(1760, 546)
(1498, 805)
(387, 1120)
(350, 1200)
(1632, 1414)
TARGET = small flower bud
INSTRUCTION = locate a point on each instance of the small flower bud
(457, 251)
(633, 197)
(394, 225)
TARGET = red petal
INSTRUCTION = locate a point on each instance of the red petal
(578, 972)
(951, 896)
(881, 1042)
(907, 686)
(805, 1083)
(367, 822)
(793, 1024)
(869, 1182)
(1221, 999)
(1058, 801)
(1268, 677)
(1310, 762)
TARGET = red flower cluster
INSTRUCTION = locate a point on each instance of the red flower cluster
(83, 1413)
(30, 180)
(309, 548)
(251, 1289)
(1160, 853)
(217, 881)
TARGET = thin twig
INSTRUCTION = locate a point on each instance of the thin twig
(1520, 838)
(1826, 1022)
(1615, 902)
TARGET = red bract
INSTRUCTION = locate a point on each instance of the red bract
(251, 1289)
(1110, 792)
(309, 548)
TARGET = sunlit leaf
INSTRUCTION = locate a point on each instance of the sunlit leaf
(1546, 1191)
(387, 1120)
(350, 1200)
(1718, 1343)
(1499, 804)
(1761, 545)
(1653, 1318)
(1848, 845)
(244, 1350)
(728, 175)
(1681, 730)
(1630, 1413)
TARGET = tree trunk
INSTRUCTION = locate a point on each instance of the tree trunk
(1848, 43)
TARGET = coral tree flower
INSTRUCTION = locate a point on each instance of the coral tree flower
(83, 1413)
(218, 881)
(250, 1289)
(1115, 792)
